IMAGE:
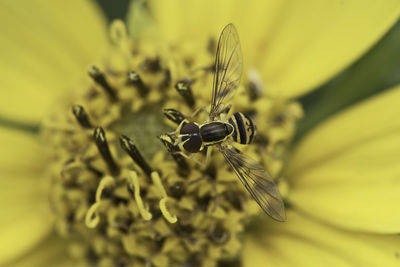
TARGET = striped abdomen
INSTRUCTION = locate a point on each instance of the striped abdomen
(244, 128)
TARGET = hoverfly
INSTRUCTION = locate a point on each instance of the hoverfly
(219, 130)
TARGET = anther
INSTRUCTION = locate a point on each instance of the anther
(81, 116)
(101, 80)
(236, 199)
(177, 190)
(254, 91)
(130, 148)
(212, 45)
(151, 65)
(165, 82)
(92, 257)
(184, 89)
(217, 234)
(99, 137)
(183, 229)
(168, 142)
(135, 80)
(174, 115)
(255, 85)
(279, 119)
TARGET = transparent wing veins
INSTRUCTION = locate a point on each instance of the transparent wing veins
(228, 69)
(257, 181)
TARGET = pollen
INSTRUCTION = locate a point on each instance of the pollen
(120, 191)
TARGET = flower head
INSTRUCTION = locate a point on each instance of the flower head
(118, 195)
(113, 180)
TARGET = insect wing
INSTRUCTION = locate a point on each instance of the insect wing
(228, 69)
(258, 182)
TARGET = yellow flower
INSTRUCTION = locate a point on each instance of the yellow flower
(340, 183)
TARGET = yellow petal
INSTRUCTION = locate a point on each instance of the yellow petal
(180, 20)
(347, 170)
(24, 219)
(296, 45)
(304, 242)
(314, 40)
(52, 252)
(46, 47)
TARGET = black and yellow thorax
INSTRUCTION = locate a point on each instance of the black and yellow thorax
(215, 132)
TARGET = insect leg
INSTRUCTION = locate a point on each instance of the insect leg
(227, 113)
(216, 195)
(197, 112)
(208, 155)
(175, 133)
(190, 157)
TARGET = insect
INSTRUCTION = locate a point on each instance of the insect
(220, 130)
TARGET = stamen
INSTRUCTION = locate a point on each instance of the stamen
(107, 181)
(92, 218)
(130, 148)
(164, 198)
(167, 215)
(101, 80)
(157, 181)
(101, 142)
(168, 142)
(174, 115)
(135, 80)
(184, 89)
(134, 183)
(81, 116)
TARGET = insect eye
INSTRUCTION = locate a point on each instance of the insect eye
(190, 128)
(192, 144)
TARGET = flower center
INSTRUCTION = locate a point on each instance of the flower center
(119, 192)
